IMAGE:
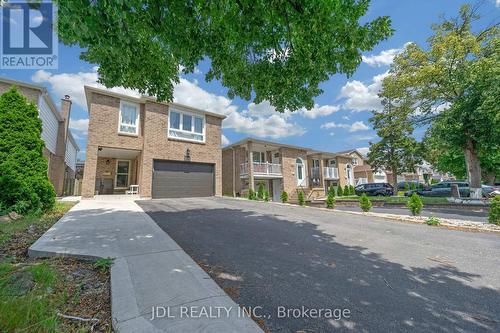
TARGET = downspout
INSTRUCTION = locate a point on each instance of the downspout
(234, 172)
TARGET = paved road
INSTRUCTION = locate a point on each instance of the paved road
(459, 214)
(393, 277)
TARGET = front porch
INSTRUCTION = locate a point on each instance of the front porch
(117, 169)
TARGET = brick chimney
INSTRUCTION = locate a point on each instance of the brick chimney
(66, 114)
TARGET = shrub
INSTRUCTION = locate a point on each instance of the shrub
(494, 215)
(331, 191)
(260, 191)
(432, 221)
(415, 204)
(25, 187)
(351, 190)
(413, 186)
(364, 203)
(330, 201)
(251, 194)
(339, 191)
(346, 190)
(406, 186)
(302, 200)
(284, 197)
(266, 195)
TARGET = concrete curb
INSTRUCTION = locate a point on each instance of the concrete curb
(453, 224)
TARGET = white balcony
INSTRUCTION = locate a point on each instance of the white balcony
(330, 173)
(265, 170)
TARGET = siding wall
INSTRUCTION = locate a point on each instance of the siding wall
(50, 125)
(70, 155)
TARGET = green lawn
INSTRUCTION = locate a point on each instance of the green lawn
(397, 199)
(35, 292)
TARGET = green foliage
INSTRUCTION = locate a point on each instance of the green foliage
(330, 201)
(413, 186)
(25, 187)
(284, 197)
(415, 204)
(364, 203)
(43, 274)
(260, 191)
(397, 150)
(331, 191)
(339, 191)
(103, 264)
(266, 195)
(351, 190)
(494, 214)
(432, 220)
(406, 187)
(301, 198)
(251, 194)
(457, 73)
(265, 50)
(434, 181)
(346, 190)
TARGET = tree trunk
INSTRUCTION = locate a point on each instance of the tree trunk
(473, 170)
(395, 180)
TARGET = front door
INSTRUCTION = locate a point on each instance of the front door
(276, 190)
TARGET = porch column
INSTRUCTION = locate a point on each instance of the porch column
(321, 177)
(89, 172)
(250, 166)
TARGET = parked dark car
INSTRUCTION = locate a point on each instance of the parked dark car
(442, 189)
(380, 189)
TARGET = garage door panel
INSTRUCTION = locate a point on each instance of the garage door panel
(173, 179)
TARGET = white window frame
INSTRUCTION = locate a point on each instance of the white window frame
(262, 156)
(193, 115)
(138, 118)
(128, 174)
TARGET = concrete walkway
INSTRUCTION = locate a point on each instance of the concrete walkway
(150, 270)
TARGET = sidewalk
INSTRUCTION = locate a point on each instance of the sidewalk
(150, 270)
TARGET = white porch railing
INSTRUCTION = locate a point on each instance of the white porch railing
(262, 169)
(330, 173)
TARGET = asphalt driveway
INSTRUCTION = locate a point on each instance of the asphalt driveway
(391, 276)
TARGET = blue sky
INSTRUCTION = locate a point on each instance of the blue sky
(338, 122)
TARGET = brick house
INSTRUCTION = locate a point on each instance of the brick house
(163, 149)
(60, 147)
(282, 167)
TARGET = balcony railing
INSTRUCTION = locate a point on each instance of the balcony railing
(262, 169)
(330, 173)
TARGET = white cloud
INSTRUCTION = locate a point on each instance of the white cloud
(224, 140)
(362, 137)
(384, 58)
(80, 125)
(361, 97)
(345, 117)
(497, 3)
(319, 111)
(72, 84)
(354, 127)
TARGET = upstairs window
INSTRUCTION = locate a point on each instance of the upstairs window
(186, 126)
(129, 118)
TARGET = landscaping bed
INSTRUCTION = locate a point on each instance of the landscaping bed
(400, 202)
(49, 295)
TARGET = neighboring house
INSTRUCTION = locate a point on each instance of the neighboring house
(60, 146)
(363, 172)
(164, 149)
(281, 167)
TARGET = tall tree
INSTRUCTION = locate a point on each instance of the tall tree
(456, 72)
(278, 51)
(23, 168)
(397, 150)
